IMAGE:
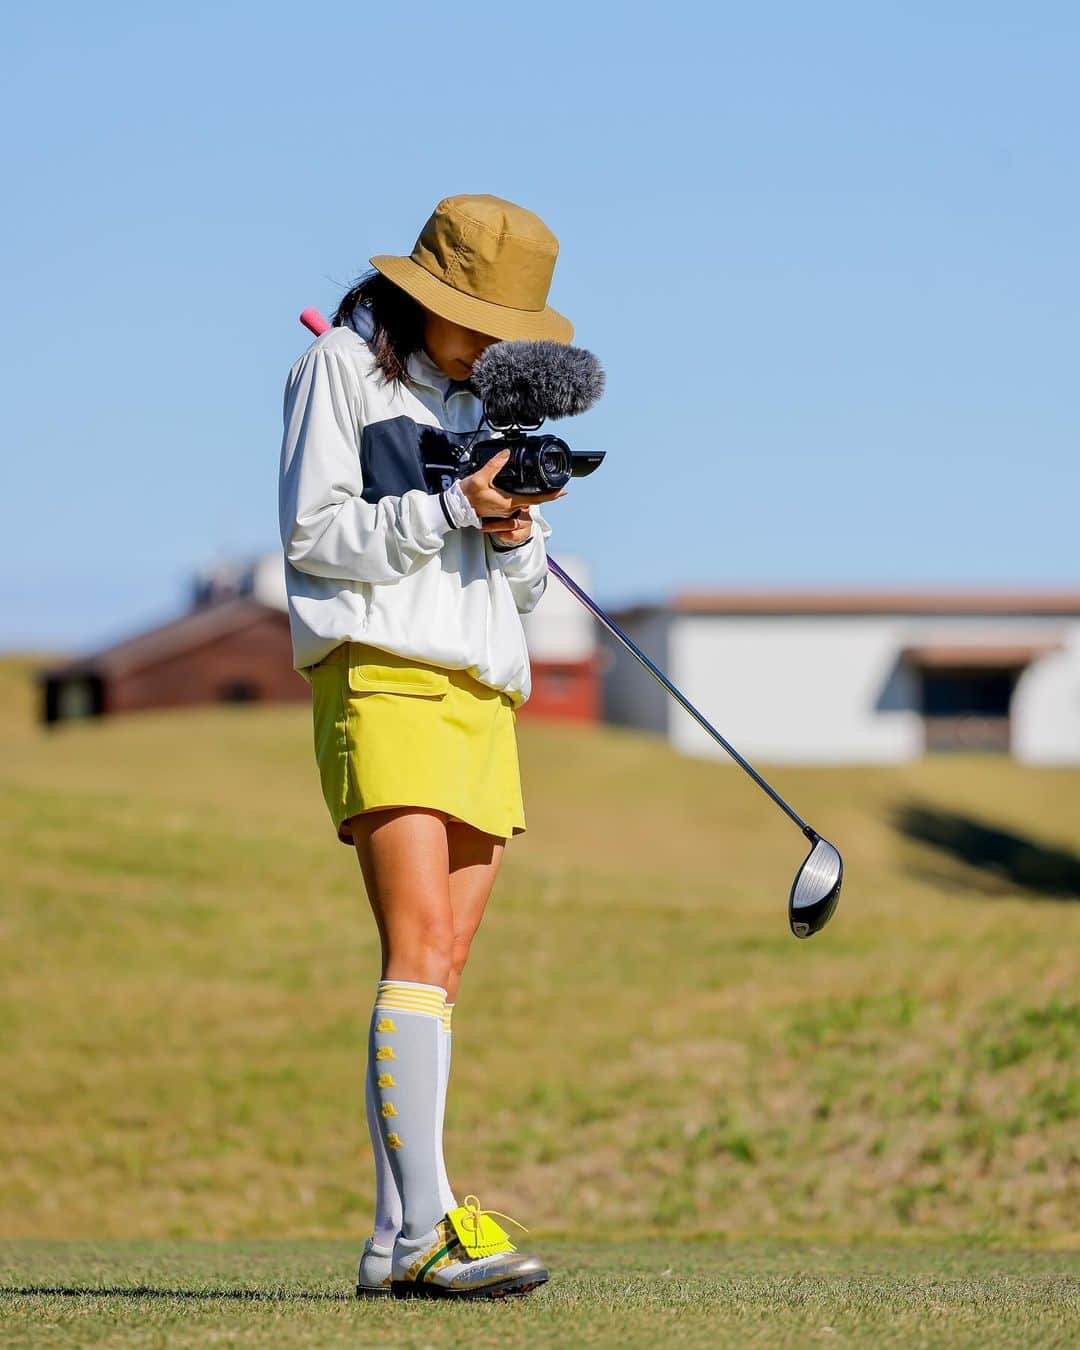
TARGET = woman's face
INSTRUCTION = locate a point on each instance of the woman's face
(452, 347)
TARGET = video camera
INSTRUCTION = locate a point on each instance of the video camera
(521, 383)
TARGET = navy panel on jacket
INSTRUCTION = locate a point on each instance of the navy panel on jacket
(398, 455)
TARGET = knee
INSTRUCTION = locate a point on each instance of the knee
(459, 954)
(421, 951)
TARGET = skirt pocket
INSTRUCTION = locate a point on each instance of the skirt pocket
(385, 676)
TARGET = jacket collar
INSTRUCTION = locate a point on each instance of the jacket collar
(419, 366)
(423, 370)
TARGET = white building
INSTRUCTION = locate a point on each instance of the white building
(877, 677)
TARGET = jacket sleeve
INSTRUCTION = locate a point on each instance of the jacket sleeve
(327, 528)
(525, 566)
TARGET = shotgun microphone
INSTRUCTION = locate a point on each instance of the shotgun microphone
(521, 383)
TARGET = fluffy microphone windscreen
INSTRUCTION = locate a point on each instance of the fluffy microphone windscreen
(522, 382)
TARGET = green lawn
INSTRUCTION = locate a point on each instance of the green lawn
(642, 1050)
(627, 1294)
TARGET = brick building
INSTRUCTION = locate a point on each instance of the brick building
(234, 651)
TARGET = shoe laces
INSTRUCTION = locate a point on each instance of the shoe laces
(473, 1214)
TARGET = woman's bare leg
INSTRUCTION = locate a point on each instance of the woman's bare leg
(474, 865)
(405, 859)
(474, 860)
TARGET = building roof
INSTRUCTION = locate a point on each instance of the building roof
(977, 655)
(1025, 603)
(197, 627)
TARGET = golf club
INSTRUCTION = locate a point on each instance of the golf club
(816, 889)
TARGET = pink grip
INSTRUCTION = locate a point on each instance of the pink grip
(311, 318)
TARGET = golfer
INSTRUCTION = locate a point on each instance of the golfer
(406, 582)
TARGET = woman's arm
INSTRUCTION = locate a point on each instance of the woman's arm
(524, 565)
(327, 528)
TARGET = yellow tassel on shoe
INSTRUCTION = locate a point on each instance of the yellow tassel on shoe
(479, 1234)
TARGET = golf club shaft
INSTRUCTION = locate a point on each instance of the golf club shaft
(632, 647)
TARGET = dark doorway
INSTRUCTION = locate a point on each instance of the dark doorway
(968, 709)
(239, 691)
(67, 697)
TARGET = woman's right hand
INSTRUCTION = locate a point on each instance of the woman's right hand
(488, 501)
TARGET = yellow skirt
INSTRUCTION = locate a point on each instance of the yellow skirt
(394, 731)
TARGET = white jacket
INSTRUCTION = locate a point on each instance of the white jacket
(378, 548)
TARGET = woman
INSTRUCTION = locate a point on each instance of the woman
(406, 582)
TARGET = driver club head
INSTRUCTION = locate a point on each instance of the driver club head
(816, 889)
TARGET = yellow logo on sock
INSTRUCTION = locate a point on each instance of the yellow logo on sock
(385, 1024)
(386, 1080)
(393, 1141)
(385, 1052)
(388, 1109)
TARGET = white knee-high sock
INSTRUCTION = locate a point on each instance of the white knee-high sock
(387, 1223)
(449, 1200)
(405, 1059)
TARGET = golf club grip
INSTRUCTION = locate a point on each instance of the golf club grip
(318, 323)
(312, 319)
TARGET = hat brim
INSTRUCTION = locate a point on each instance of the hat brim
(498, 321)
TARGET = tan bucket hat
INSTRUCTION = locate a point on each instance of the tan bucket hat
(486, 264)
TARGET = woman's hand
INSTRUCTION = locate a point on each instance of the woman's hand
(489, 501)
(522, 524)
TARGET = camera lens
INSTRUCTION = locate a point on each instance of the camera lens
(553, 462)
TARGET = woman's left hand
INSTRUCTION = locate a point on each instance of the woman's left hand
(513, 529)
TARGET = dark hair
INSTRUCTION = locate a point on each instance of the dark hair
(399, 321)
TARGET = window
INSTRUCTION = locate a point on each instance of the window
(967, 709)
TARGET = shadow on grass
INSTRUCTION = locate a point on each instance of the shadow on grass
(997, 859)
(149, 1291)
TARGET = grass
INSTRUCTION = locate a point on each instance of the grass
(642, 1051)
(631, 1294)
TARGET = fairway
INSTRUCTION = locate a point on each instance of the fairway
(640, 1294)
(848, 1131)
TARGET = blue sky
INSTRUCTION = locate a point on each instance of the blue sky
(827, 255)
